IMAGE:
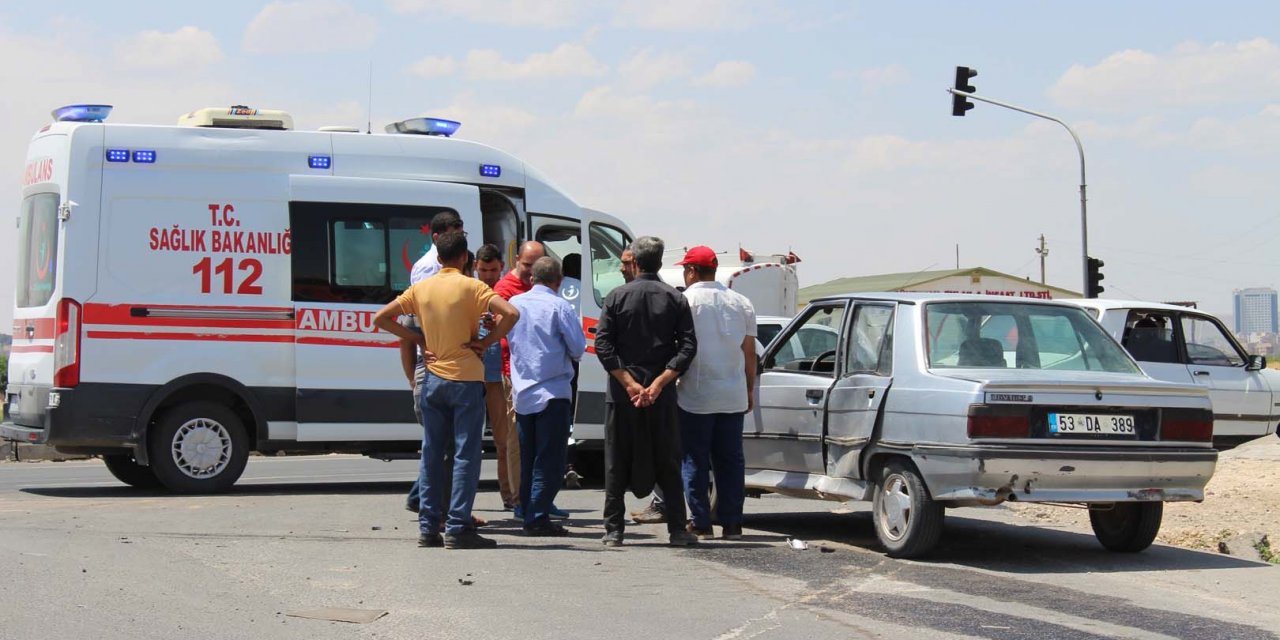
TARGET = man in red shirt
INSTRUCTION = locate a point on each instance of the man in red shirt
(517, 281)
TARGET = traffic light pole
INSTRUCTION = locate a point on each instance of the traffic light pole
(1084, 216)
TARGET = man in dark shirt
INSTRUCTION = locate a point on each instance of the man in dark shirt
(645, 340)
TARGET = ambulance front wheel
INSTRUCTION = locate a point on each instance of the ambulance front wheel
(198, 447)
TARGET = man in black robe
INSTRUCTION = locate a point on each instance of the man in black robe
(645, 340)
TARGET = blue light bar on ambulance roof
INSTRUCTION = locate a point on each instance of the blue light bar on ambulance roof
(117, 155)
(490, 170)
(427, 126)
(82, 113)
(319, 162)
(145, 156)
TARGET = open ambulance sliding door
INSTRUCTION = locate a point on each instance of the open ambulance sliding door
(354, 244)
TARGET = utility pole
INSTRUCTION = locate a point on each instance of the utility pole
(1043, 251)
(960, 96)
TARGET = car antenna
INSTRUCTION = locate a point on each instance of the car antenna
(369, 113)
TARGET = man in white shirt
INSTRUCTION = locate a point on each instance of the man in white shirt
(715, 394)
(429, 264)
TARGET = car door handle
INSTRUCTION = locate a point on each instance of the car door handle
(814, 395)
(1201, 373)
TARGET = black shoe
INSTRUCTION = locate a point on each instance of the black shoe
(546, 530)
(468, 540)
(612, 539)
(731, 532)
(682, 539)
(430, 540)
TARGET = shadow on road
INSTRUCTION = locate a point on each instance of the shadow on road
(246, 489)
(998, 546)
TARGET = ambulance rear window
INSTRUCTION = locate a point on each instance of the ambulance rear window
(37, 249)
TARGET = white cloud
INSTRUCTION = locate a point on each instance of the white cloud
(186, 48)
(877, 78)
(1191, 74)
(434, 66)
(531, 13)
(309, 26)
(694, 15)
(566, 60)
(647, 68)
(730, 73)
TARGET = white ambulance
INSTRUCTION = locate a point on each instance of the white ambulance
(770, 282)
(188, 294)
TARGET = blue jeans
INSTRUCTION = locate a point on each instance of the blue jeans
(713, 443)
(544, 445)
(452, 413)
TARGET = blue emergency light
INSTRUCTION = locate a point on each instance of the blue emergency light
(117, 155)
(319, 162)
(82, 113)
(145, 156)
(490, 170)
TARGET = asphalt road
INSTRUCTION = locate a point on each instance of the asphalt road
(84, 556)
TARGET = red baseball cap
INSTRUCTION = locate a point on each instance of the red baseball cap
(700, 256)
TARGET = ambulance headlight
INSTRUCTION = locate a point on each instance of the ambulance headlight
(82, 113)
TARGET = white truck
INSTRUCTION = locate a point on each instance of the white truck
(770, 282)
(188, 294)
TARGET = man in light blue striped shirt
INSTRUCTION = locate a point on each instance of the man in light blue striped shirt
(544, 345)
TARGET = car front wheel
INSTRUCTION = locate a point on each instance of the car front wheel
(1127, 527)
(908, 522)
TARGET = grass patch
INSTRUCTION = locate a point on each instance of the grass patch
(1266, 552)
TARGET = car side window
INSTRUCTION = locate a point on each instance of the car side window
(870, 343)
(1208, 344)
(1148, 337)
(810, 345)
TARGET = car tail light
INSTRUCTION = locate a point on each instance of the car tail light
(66, 344)
(987, 421)
(1191, 425)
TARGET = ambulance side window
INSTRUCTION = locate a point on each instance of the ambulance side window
(359, 253)
(356, 253)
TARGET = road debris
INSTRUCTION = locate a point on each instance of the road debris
(797, 544)
(339, 614)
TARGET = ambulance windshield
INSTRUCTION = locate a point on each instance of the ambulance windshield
(37, 249)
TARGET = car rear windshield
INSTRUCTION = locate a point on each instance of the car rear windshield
(998, 335)
(37, 249)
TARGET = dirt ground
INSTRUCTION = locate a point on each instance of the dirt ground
(1242, 497)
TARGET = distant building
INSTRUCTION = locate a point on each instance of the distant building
(1256, 311)
(971, 280)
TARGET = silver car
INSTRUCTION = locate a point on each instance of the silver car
(933, 400)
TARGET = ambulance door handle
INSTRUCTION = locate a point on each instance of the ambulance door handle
(592, 331)
(31, 332)
(1201, 372)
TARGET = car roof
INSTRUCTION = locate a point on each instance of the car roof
(906, 297)
(1108, 304)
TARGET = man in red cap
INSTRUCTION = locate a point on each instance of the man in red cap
(714, 394)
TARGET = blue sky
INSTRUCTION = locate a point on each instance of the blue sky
(819, 127)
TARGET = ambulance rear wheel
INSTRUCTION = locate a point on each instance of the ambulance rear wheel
(199, 447)
(128, 471)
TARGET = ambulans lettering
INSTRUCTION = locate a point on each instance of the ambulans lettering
(336, 320)
(220, 215)
(37, 171)
(177, 239)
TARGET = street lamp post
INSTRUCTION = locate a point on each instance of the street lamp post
(1084, 215)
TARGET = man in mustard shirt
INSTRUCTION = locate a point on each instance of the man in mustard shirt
(449, 307)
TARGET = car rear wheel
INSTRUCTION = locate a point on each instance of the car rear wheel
(199, 447)
(128, 471)
(908, 522)
(1127, 527)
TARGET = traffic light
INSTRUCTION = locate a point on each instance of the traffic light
(959, 103)
(1093, 289)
